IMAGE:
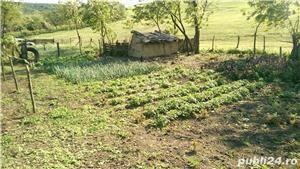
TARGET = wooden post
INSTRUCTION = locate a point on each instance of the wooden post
(30, 88)
(14, 73)
(2, 69)
(280, 51)
(58, 49)
(264, 47)
(213, 44)
(238, 42)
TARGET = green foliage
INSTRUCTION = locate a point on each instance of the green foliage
(10, 16)
(56, 16)
(194, 104)
(193, 161)
(98, 15)
(268, 68)
(73, 11)
(81, 69)
(271, 12)
(201, 9)
(60, 113)
(153, 13)
(31, 120)
(35, 21)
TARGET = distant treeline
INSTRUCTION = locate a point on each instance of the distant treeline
(36, 18)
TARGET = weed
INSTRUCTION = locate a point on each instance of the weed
(193, 161)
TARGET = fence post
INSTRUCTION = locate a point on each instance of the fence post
(30, 88)
(14, 73)
(2, 69)
(58, 49)
(280, 51)
(238, 42)
(264, 47)
(213, 44)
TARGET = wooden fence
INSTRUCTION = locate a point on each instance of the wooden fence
(116, 49)
(42, 41)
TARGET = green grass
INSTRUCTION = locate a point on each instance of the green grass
(226, 23)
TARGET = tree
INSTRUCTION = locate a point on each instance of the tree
(293, 26)
(197, 14)
(35, 21)
(153, 13)
(174, 9)
(117, 10)
(56, 17)
(98, 15)
(74, 14)
(271, 12)
(10, 16)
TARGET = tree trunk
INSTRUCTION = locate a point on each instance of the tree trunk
(197, 31)
(158, 27)
(196, 39)
(295, 52)
(254, 40)
(2, 70)
(79, 38)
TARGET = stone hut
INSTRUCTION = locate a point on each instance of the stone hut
(152, 44)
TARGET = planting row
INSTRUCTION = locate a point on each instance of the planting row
(177, 91)
(130, 87)
(192, 105)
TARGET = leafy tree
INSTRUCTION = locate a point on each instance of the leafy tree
(56, 17)
(197, 14)
(35, 21)
(117, 10)
(271, 13)
(293, 26)
(153, 13)
(10, 16)
(74, 14)
(98, 15)
(174, 9)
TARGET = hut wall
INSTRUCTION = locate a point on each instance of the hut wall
(153, 49)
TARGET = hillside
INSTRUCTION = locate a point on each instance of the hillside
(29, 8)
(226, 23)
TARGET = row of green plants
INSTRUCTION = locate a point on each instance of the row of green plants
(78, 69)
(78, 74)
(163, 79)
(194, 104)
(178, 91)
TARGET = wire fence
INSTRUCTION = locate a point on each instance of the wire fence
(268, 44)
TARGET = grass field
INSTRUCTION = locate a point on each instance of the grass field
(226, 23)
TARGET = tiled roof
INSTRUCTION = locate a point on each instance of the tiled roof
(152, 37)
